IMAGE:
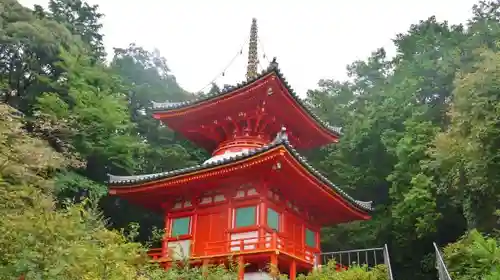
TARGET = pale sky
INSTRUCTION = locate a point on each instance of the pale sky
(312, 39)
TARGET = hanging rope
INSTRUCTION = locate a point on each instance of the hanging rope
(264, 55)
(261, 67)
(240, 52)
(223, 72)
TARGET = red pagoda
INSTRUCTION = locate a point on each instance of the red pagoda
(256, 199)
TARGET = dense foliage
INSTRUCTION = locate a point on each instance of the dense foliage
(473, 257)
(42, 241)
(355, 272)
(422, 139)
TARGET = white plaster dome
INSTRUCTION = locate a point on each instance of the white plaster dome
(226, 155)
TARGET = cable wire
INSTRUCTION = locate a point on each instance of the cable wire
(263, 51)
(240, 52)
(261, 67)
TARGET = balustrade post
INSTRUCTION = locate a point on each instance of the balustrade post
(274, 240)
(164, 247)
(317, 260)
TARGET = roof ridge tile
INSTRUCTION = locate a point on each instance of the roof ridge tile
(126, 180)
(168, 105)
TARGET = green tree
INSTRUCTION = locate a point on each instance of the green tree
(468, 150)
(93, 116)
(82, 20)
(148, 79)
(474, 256)
(421, 141)
(29, 47)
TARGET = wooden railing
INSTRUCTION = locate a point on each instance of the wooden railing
(155, 253)
(297, 250)
(271, 241)
(235, 246)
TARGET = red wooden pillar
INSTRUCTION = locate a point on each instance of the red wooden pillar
(241, 268)
(262, 222)
(318, 238)
(274, 260)
(229, 196)
(194, 222)
(262, 189)
(274, 265)
(164, 244)
(205, 268)
(293, 270)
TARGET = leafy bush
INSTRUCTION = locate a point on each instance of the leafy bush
(474, 256)
(355, 272)
(23, 158)
(41, 241)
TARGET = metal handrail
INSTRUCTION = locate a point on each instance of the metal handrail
(359, 256)
(443, 273)
(353, 251)
(370, 257)
(387, 262)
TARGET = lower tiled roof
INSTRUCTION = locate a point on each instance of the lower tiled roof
(281, 139)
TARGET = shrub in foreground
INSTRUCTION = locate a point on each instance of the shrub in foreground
(355, 272)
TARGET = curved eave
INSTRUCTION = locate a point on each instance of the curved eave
(122, 183)
(172, 107)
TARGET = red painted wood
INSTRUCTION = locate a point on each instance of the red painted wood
(202, 236)
(293, 270)
(250, 110)
(164, 248)
(212, 223)
(239, 143)
(291, 181)
(241, 268)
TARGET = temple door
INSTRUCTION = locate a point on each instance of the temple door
(219, 227)
(210, 234)
(202, 234)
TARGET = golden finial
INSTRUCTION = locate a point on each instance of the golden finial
(253, 59)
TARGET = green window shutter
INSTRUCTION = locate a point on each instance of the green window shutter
(245, 217)
(180, 226)
(310, 238)
(273, 219)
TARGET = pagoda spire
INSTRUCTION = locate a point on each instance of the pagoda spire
(253, 59)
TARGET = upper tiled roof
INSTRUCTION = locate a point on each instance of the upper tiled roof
(281, 139)
(273, 68)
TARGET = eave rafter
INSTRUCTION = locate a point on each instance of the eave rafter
(168, 109)
(221, 167)
(254, 123)
(200, 175)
